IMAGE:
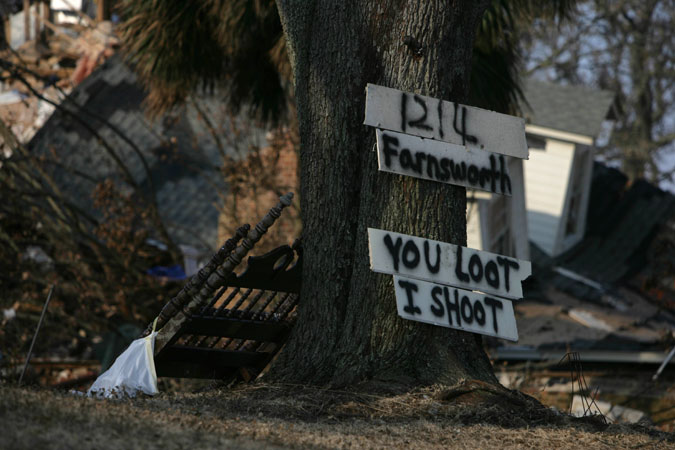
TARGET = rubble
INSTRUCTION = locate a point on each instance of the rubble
(49, 69)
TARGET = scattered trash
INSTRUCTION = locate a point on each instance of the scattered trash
(586, 318)
(132, 371)
(587, 404)
(11, 97)
(9, 314)
(174, 272)
(112, 344)
(49, 68)
(613, 413)
(37, 254)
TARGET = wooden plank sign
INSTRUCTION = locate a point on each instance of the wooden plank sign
(448, 264)
(427, 117)
(404, 154)
(455, 308)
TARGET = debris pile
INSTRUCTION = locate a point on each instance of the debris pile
(86, 320)
(40, 73)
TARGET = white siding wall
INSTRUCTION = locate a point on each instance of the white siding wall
(473, 230)
(518, 210)
(481, 209)
(583, 163)
(546, 176)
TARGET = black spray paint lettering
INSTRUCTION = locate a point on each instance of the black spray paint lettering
(390, 145)
(404, 109)
(439, 109)
(410, 255)
(464, 309)
(452, 306)
(458, 123)
(393, 248)
(410, 287)
(476, 270)
(446, 169)
(495, 305)
(461, 276)
(462, 132)
(433, 268)
(504, 179)
(420, 122)
(437, 309)
(479, 314)
(492, 274)
(507, 263)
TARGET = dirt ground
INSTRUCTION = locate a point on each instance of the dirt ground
(287, 416)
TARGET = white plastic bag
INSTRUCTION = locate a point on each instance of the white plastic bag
(132, 371)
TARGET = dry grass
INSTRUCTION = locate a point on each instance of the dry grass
(271, 416)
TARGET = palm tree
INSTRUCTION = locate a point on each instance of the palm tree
(238, 45)
(177, 47)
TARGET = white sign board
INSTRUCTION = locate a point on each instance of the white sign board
(404, 154)
(451, 122)
(449, 264)
(455, 308)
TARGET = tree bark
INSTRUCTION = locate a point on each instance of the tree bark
(348, 329)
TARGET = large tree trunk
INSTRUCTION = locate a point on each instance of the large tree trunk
(348, 328)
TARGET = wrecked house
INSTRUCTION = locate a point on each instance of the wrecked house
(602, 296)
(564, 125)
(550, 190)
(174, 158)
(609, 300)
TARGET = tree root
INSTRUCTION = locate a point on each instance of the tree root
(471, 386)
(493, 403)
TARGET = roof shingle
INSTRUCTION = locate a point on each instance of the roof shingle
(574, 109)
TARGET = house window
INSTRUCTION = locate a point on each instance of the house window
(535, 142)
(572, 223)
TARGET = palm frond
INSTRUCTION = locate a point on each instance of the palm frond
(178, 47)
(496, 67)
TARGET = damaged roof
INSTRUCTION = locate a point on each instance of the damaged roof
(575, 109)
(611, 293)
(182, 158)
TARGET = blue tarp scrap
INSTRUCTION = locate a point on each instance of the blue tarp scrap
(174, 272)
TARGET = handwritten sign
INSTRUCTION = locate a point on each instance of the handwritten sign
(455, 308)
(451, 122)
(404, 154)
(448, 264)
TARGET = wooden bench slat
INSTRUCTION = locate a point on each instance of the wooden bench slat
(215, 358)
(182, 369)
(237, 328)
